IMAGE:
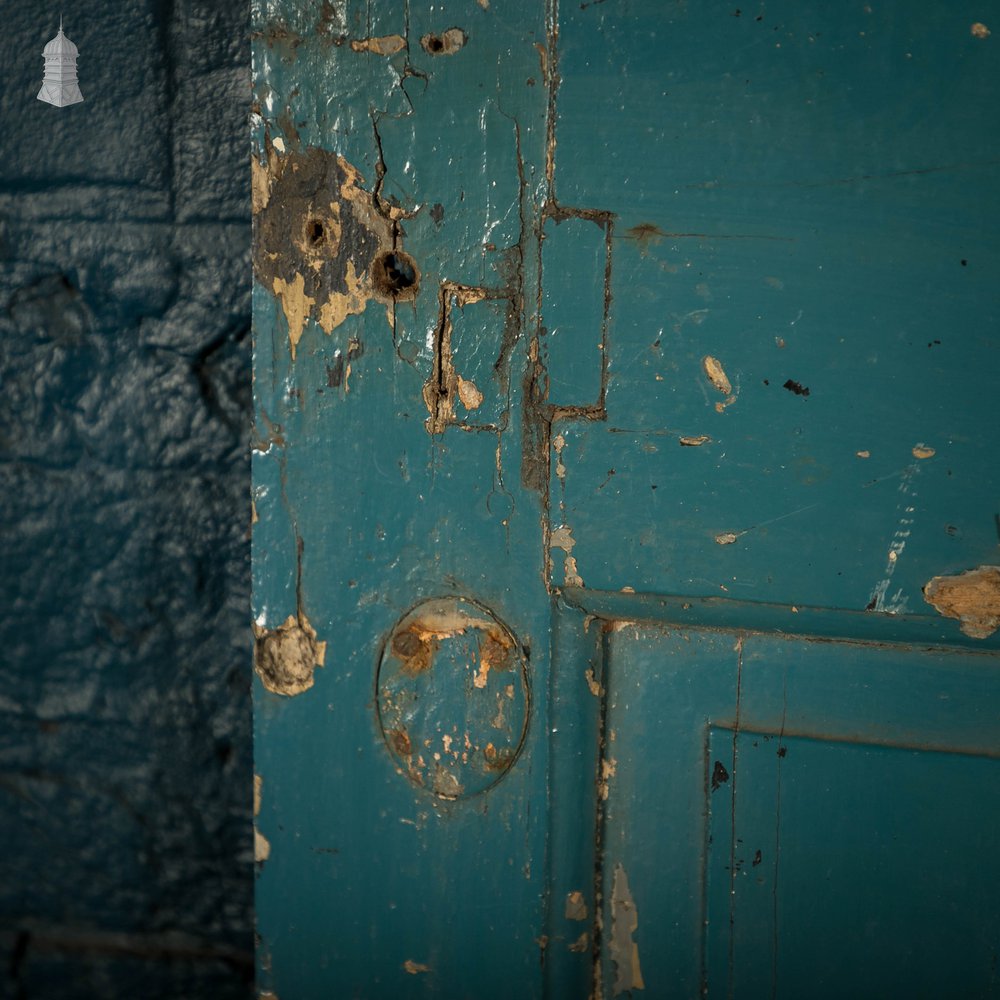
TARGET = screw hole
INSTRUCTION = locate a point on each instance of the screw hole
(315, 233)
(395, 275)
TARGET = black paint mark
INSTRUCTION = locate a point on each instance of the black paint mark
(757, 858)
(437, 213)
(932, 343)
(719, 775)
(335, 372)
(965, 263)
(782, 751)
(797, 387)
(871, 605)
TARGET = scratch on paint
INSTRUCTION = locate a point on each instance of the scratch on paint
(897, 604)
(728, 537)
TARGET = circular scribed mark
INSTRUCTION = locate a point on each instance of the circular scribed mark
(453, 697)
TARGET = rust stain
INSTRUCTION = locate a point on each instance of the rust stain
(979, 30)
(286, 657)
(645, 235)
(414, 968)
(624, 923)
(694, 442)
(445, 44)
(383, 45)
(922, 451)
(318, 235)
(576, 906)
(543, 59)
(972, 597)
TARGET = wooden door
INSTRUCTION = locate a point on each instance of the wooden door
(625, 542)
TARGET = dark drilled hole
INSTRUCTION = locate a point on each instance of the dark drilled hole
(396, 276)
(315, 233)
(435, 44)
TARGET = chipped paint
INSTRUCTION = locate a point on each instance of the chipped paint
(445, 44)
(576, 906)
(624, 923)
(979, 30)
(922, 451)
(863, 454)
(694, 442)
(261, 845)
(286, 657)
(726, 538)
(571, 576)
(470, 397)
(318, 235)
(581, 944)
(296, 305)
(562, 538)
(415, 968)
(717, 374)
(720, 380)
(609, 767)
(595, 688)
(558, 443)
(972, 597)
(383, 45)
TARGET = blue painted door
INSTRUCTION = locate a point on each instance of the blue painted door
(625, 510)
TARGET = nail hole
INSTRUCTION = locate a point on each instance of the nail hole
(395, 275)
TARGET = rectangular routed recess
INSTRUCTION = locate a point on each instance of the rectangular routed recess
(574, 262)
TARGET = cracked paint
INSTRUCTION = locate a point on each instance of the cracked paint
(972, 597)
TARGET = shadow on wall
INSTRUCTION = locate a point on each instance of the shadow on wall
(125, 758)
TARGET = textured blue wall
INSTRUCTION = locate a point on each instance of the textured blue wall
(125, 774)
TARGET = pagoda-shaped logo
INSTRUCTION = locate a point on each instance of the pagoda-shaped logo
(59, 86)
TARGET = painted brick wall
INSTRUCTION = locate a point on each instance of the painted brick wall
(125, 761)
